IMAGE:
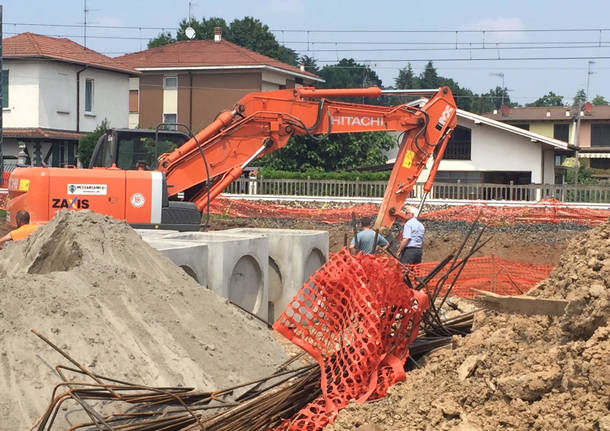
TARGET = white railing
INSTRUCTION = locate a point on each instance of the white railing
(447, 191)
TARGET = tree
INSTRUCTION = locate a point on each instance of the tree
(247, 32)
(599, 101)
(87, 143)
(498, 96)
(429, 78)
(579, 98)
(349, 74)
(549, 99)
(310, 64)
(406, 78)
(164, 38)
(331, 153)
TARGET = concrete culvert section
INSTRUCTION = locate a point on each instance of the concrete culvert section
(189, 271)
(123, 310)
(315, 259)
(246, 284)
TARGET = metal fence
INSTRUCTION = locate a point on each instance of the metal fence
(449, 191)
(9, 165)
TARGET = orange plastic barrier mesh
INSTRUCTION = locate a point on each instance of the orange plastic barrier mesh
(241, 208)
(546, 211)
(3, 200)
(4, 179)
(357, 318)
(489, 273)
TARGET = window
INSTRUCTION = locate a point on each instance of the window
(561, 132)
(170, 82)
(88, 95)
(600, 135)
(458, 147)
(133, 101)
(170, 118)
(5, 88)
(524, 126)
(600, 163)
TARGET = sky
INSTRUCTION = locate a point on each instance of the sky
(530, 47)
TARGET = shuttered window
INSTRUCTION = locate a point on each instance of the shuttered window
(5, 88)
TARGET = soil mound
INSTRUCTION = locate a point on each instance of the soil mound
(91, 285)
(513, 371)
(583, 278)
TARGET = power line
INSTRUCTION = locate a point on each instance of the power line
(589, 57)
(541, 30)
(479, 48)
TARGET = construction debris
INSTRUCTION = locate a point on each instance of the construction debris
(513, 371)
(521, 304)
(92, 283)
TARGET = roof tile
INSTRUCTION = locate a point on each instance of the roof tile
(198, 53)
(555, 113)
(37, 46)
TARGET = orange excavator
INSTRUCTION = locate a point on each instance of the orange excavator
(120, 186)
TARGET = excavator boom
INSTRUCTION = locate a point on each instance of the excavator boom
(206, 164)
(261, 123)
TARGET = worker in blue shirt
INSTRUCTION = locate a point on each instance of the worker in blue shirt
(366, 239)
(410, 249)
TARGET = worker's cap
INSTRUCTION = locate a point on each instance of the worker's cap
(413, 210)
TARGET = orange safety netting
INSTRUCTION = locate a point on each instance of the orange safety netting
(489, 273)
(357, 318)
(242, 208)
(3, 200)
(545, 211)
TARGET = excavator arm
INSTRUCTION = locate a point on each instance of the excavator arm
(261, 123)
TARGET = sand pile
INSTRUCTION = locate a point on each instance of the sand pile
(92, 286)
(513, 371)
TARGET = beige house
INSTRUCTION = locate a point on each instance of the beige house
(588, 129)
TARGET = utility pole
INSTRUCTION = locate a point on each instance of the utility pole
(501, 75)
(589, 73)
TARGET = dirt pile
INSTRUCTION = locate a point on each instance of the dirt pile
(91, 285)
(516, 372)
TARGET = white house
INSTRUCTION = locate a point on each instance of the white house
(482, 150)
(54, 92)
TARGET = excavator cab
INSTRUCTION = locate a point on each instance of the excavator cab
(134, 149)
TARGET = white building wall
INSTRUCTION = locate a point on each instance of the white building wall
(495, 150)
(57, 95)
(22, 110)
(549, 166)
(43, 94)
(110, 99)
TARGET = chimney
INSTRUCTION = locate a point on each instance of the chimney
(217, 34)
(302, 67)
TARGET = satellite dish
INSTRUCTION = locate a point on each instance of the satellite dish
(190, 32)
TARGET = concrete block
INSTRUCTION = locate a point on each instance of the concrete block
(293, 256)
(153, 233)
(191, 257)
(236, 266)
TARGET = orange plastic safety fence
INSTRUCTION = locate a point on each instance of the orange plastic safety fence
(4, 179)
(3, 200)
(546, 211)
(241, 208)
(489, 273)
(357, 318)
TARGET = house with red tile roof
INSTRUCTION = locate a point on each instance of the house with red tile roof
(587, 128)
(54, 92)
(190, 82)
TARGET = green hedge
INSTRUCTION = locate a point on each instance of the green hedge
(321, 175)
